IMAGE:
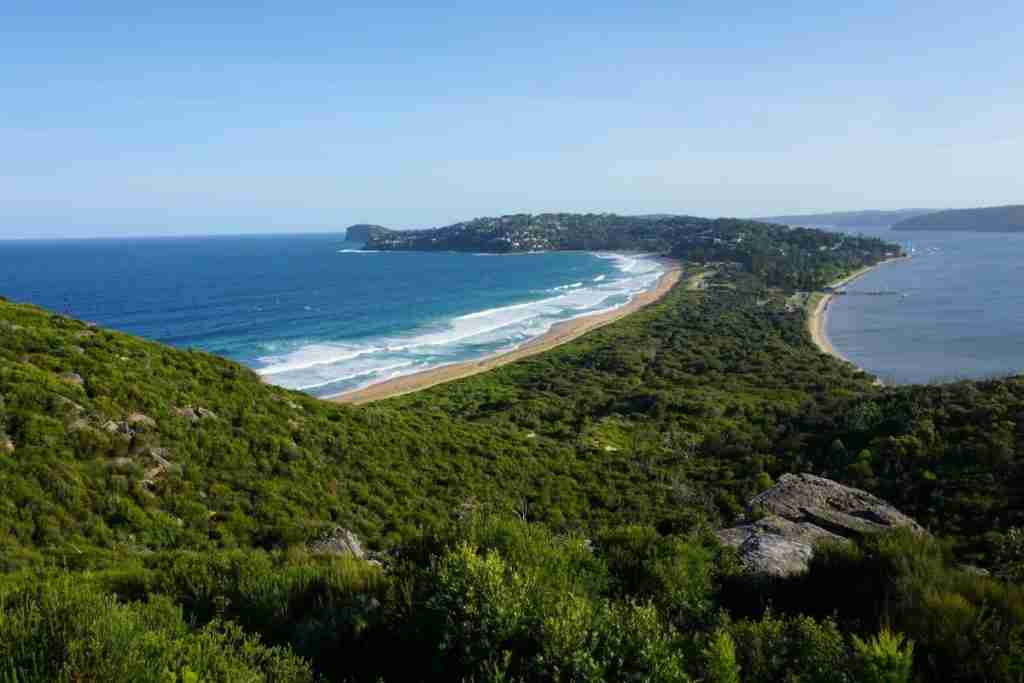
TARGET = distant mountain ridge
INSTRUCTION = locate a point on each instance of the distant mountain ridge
(986, 219)
(847, 219)
(364, 232)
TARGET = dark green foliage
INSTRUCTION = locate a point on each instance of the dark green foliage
(62, 630)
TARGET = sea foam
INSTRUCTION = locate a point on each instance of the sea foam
(323, 368)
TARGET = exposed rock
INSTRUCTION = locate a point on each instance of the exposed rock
(85, 334)
(6, 445)
(115, 427)
(843, 510)
(206, 413)
(338, 541)
(139, 420)
(79, 424)
(186, 412)
(773, 525)
(802, 510)
(73, 378)
(157, 463)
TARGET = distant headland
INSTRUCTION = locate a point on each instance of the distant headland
(850, 219)
(364, 232)
(987, 219)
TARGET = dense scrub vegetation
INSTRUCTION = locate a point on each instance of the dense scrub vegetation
(549, 520)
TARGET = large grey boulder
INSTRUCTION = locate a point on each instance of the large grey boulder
(789, 519)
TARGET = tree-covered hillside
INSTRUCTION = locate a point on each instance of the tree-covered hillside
(783, 255)
(988, 219)
(549, 520)
(849, 219)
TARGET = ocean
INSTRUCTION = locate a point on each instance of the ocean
(313, 312)
(955, 310)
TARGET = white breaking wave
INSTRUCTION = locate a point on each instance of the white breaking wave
(311, 356)
(349, 366)
(358, 373)
(360, 251)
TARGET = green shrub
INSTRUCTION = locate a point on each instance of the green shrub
(720, 659)
(885, 658)
(65, 630)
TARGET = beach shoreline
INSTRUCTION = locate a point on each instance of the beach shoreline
(817, 318)
(559, 334)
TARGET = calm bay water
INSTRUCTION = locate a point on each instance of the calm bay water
(308, 311)
(957, 311)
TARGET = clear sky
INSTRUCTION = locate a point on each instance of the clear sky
(127, 118)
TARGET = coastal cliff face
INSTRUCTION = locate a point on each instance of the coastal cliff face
(365, 232)
(988, 219)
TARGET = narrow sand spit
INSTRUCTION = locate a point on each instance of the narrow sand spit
(556, 336)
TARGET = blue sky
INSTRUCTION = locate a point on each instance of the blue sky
(121, 118)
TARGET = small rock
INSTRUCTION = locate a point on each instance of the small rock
(207, 414)
(187, 412)
(158, 464)
(140, 420)
(338, 541)
(73, 378)
(79, 424)
(115, 427)
(85, 334)
(6, 445)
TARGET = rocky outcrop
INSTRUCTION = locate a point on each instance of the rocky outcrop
(364, 232)
(140, 421)
(73, 378)
(186, 412)
(194, 414)
(338, 541)
(6, 445)
(157, 464)
(801, 510)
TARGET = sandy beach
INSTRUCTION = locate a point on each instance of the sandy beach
(818, 317)
(557, 335)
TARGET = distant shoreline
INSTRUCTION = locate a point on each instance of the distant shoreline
(559, 334)
(817, 319)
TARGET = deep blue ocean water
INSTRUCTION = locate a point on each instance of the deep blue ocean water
(957, 310)
(309, 311)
